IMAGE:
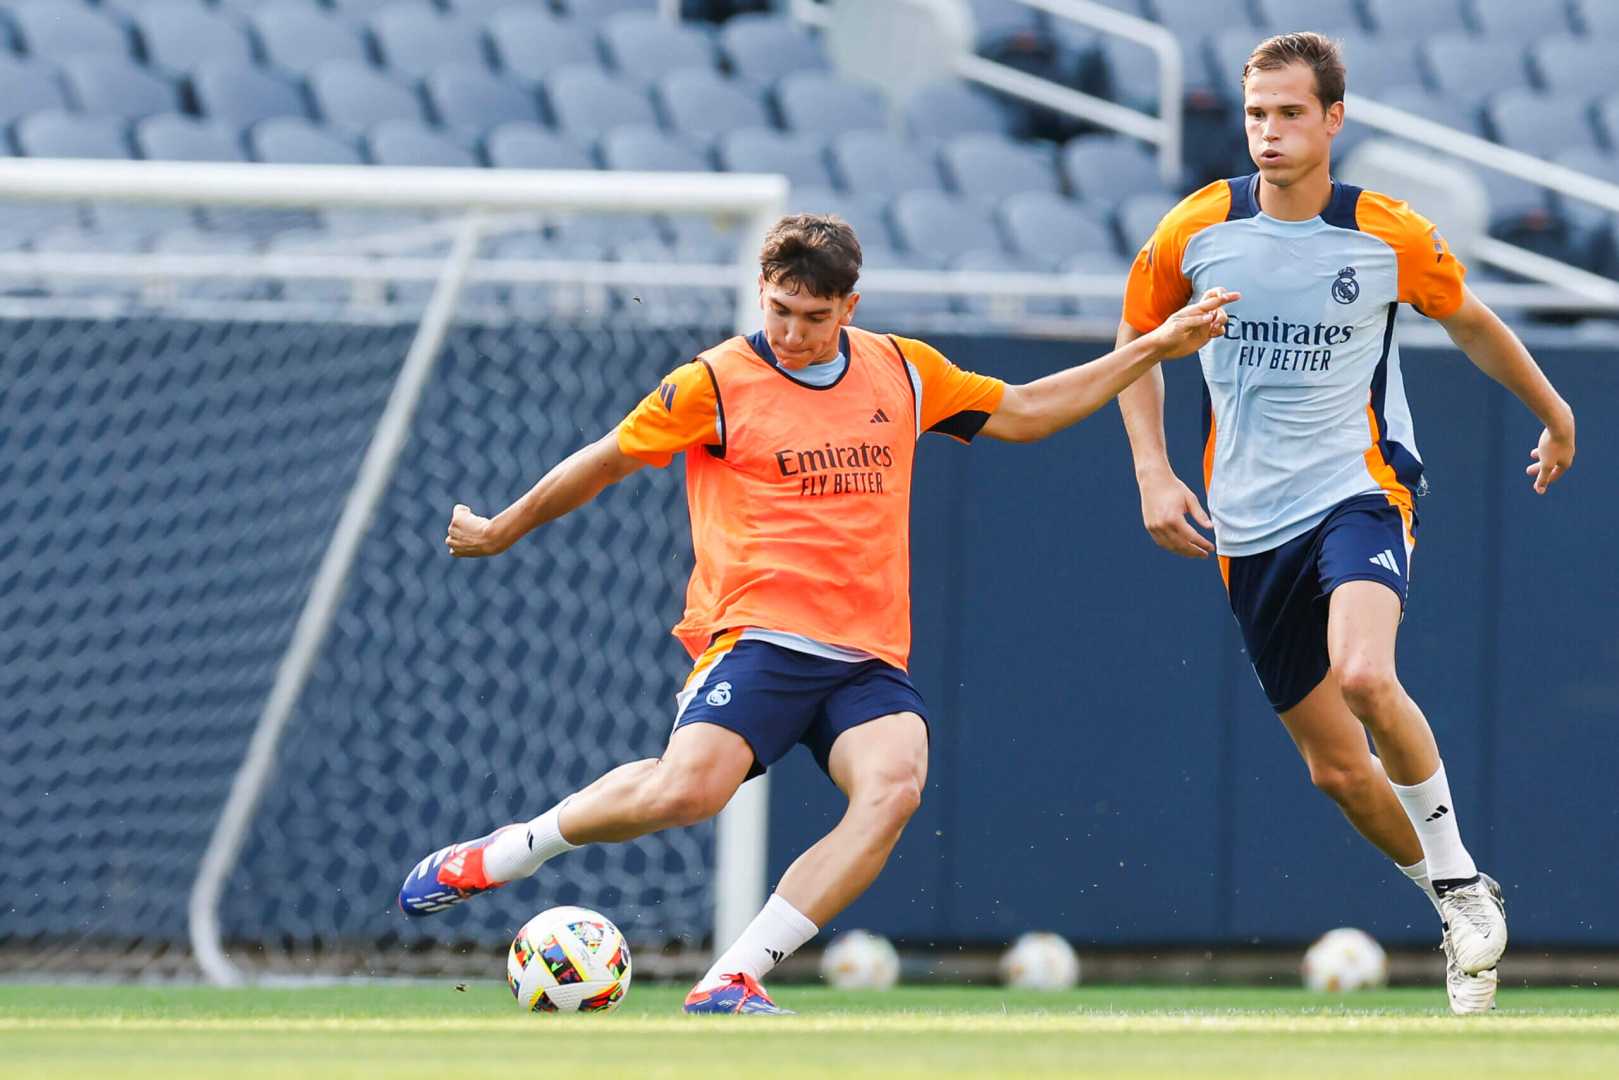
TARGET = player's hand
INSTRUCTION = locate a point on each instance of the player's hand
(1552, 458)
(471, 536)
(1190, 328)
(1165, 505)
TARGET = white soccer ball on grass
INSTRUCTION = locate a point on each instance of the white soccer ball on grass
(1040, 961)
(860, 960)
(568, 959)
(1345, 959)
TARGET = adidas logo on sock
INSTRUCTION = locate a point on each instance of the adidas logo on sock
(879, 417)
(776, 957)
(1437, 814)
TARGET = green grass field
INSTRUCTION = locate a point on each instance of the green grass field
(435, 1030)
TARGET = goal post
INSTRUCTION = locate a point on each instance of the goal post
(444, 258)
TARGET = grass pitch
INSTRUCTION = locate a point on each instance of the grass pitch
(402, 1032)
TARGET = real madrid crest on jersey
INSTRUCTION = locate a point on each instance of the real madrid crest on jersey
(1345, 289)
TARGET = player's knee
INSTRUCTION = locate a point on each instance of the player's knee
(686, 798)
(1345, 784)
(1369, 688)
(892, 800)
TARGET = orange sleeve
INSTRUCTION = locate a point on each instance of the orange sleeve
(681, 413)
(1431, 277)
(1157, 287)
(954, 402)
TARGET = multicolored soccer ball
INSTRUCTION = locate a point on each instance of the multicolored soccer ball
(860, 960)
(1040, 960)
(568, 959)
(1345, 959)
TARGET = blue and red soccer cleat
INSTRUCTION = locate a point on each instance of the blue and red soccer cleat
(448, 876)
(740, 994)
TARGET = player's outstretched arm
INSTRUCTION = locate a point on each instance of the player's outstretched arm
(575, 481)
(1495, 350)
(1047, 405)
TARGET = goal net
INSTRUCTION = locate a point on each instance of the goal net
(245, 687)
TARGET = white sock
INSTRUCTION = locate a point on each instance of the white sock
(517, 853)
(1418, 873)
(773, 935)
(1433, 813)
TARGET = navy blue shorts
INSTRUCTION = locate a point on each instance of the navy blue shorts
(1280, 596)
(776, 698)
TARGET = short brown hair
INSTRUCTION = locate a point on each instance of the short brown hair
(1316, 51)
(817, 252)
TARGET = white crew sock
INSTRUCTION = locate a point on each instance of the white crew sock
(773, 935)
(1433, 813)
(517, 853)
(1418, 873)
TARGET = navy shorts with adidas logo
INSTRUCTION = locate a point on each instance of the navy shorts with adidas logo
(1280, 596)
(776, 698)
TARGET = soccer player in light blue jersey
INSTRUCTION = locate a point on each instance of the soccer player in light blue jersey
(1311, 466)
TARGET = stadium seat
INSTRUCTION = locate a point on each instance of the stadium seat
(702, 236)
(185, 138)
(1006, 309)
(1469, 70)
(354, 97)
(471, 99)
(994, 167)
(59, 29)
(54, 133)
(1130, 71)
(943, 226)
(952, 107)
(1049, 228)
(1097, 262)
(532, 44)
(1205, 17)
(1582, 216)
(609, 230)
(28, 86)
(179, 36)
(1608, 121)
(193, 242)
(291, 140)
(896, 312)
(644, 46)
(800, 158)
(232, 94)
(1404, 20)
(413, 41)
(530, 146)
(701, 101)
(813, 101)
(996, 22)
(1541, 124)
(867, 214)
(406, 142)
(113, 86)
(298, 37)
(1332, 17)
(762, 48)
(1436, 107)
(1138, 216)
(1104, 169)
(878, 163)
(357, 10)
(589, 101)
(1377, 65)
(647, 149)
(603, 9)
(1584, 66)
(1599, 18)
(1521, 20)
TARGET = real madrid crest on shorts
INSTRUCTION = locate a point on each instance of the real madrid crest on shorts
(1345, 289)
(720, 695)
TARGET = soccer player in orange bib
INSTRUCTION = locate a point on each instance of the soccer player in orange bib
(799, 442)
(1311, 467)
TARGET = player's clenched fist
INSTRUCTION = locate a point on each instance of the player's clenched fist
(1190, 328)
(470, 535)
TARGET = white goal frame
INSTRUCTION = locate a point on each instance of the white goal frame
(471, 197)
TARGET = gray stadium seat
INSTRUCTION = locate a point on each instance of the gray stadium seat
(644, 46)
(1599, 18)
(291, 140)
(530, 146)
(1409, 21)
(878, 163)
(1469, 69)
(1584, 66)
(943, 226)
(609, 230)
(589, 100)
(996, 21)
(829, 105)
(406, 142)
(894, 312)
(701, 101)
(800, 158)
(113, 86)
(1521, 20)
(1050, 228)
(298, 37)
(1333, 17)
(762, 48)
(1131, 70)
(1104, 169)
(28, 86)
(604, 9)
(54, 133)
(472, 99)
(1592, 162)
(532, 44)
(1541, 124)
(647, 149)
(180, 36)
(952, 107)
(59, 29)
(1608, 120)
(193, 242)
(1006, 309)
(414, 41)
(867, 214)
(1097, 262)
(995, 167)
(357, 10)
(185, 138)
(242, 96)
(1205, 17)
(1436, 107)
(1138, 216)
(354, 96)
(1378, 64)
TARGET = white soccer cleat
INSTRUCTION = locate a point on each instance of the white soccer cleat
(1475, 919)
(1469, 993)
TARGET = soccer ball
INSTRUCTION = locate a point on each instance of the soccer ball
(859, 960)
(568, 959)
(1345, 959)
(1040, 961)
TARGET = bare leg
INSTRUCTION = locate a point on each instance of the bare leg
(1362, 622)
(693, 780)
